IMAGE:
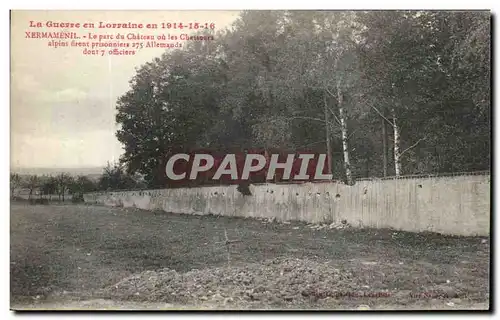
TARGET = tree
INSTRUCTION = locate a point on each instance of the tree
(115, 177)
(326, 45)
(49, 187)
(81, 184)
(170, 105)
(15, 182)
(63, 181)
(32, 183)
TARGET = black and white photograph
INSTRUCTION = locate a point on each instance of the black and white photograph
(250, 160)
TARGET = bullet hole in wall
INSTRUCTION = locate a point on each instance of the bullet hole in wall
(297, 194)
(337, 196)
(420, 186)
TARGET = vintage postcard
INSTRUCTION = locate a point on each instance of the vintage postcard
(250, 160)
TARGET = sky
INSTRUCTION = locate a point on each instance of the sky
(63, 102)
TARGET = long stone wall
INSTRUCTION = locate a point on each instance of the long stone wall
(458, 205)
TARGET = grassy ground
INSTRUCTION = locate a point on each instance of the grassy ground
(65, 253)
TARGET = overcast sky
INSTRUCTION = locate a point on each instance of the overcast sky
(62, 102)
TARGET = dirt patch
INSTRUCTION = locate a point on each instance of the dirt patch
(288, 283)
(275, 282)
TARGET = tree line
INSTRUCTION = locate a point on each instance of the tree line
(46, 187)
(383, 93)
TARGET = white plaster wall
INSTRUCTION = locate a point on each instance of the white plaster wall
(457, 205)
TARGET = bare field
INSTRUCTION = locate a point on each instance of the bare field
(78, 257)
